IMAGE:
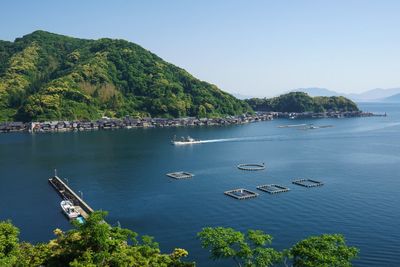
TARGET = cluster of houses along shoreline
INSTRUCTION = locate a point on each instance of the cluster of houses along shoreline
(129, 122)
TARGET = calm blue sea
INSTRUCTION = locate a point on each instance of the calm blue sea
(123, 172)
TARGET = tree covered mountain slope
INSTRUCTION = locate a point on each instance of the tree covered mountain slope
(46, 76)
(302, 102)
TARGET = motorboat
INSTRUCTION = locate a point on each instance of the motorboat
(69, 209)
(185, 141)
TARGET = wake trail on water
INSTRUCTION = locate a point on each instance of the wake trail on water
(238, 139)
(220, 140)
(335, 135)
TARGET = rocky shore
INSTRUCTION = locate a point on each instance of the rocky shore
(129, 122)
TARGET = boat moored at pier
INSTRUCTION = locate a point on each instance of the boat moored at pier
(69, 209)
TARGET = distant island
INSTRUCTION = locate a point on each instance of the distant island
(46, 76)
(300, 102)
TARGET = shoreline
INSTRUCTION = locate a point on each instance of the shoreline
(131, 123)
(331, 114)
(127, 123)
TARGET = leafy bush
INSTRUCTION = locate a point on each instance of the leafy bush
(94, 243)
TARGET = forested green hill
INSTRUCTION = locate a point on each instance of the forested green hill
(302, 102)
(45, 76)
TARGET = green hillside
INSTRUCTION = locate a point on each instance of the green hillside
(45, 76)
(302, 102)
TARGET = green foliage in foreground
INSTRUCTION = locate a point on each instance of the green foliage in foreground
(323, 251)
(251, 249)
(46, 76)
(92, 244)
(245, 249)
(302, 102)
(96, 243)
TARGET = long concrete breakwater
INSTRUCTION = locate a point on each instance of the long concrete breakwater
(129, 122)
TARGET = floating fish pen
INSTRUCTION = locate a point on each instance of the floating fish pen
(273, 188)
(308, 183)
(251, 167)
(180, 175)
(241, 193)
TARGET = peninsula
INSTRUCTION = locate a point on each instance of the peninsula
(301, 102)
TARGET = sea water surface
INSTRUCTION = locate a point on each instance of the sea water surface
(123, 172)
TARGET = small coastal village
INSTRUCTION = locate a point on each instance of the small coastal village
(129, 122)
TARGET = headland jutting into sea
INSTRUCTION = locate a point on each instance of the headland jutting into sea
(129, 122)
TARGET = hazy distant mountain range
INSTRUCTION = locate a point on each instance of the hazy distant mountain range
(315, 91)
(243, 97)
(393, 98)
(374, 95)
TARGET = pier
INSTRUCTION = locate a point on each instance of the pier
(67, 193)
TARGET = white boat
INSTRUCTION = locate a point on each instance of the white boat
(69, 209)
(185, 141)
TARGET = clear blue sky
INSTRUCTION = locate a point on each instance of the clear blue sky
(252, 47)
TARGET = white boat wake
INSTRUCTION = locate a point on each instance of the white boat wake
(338, 134)
(217, 140)
(237, 139)
(220, 140)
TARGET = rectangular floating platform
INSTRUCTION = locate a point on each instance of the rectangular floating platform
(180, 175)
(273, 188)
(307, 183)
(241, 193)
